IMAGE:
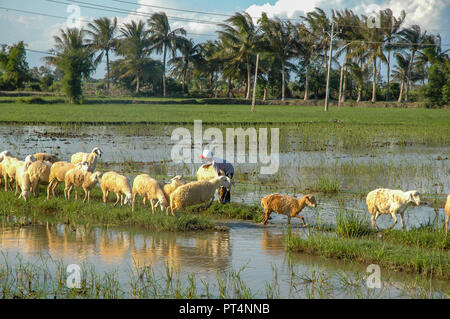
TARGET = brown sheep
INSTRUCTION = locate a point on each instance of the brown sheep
(46, 157)
(81, 178)
(447, 213)
(58, 172)
(286, 205)
(39, 173)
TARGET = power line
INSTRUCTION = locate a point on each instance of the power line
(80, 19)
(31, 50)
(132, 12)
(404, 44)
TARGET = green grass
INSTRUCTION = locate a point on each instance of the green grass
(17, 212)
(399, 257)
(209, 113)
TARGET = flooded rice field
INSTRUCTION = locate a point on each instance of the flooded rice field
(306, 166)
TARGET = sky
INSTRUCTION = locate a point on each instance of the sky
(37, 30)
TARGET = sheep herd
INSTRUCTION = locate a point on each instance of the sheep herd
(177, 194)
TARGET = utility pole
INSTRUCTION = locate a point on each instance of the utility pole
(254, 83)
(327, 94)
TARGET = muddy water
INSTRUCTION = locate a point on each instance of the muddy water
(259, 249)
(146, 149)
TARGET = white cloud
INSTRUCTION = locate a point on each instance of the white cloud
(283, 8)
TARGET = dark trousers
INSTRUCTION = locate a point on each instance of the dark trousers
(225, 194)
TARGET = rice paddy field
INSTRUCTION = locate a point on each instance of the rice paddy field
(225, 251)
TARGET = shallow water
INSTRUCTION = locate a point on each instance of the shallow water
(147, 150)
(258, 249)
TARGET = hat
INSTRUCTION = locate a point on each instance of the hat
(207, 154)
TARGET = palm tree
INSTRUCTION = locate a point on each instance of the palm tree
(278, 39)
(74, 59)
(163, 38)
(414, 40)
(319, 25)
(374, 39)
(391, 26)
(102, 34)
(134, 47)
(190, 53)
(401, 71)
(242, 35)
(305, 49)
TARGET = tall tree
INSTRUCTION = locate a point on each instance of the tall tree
(414, 40)
(278, 39)
(74, 58)
(401, 71)
(14, 65)
(163, 38)
(102, 33)
(391, 27)
(242, 34)
(190, 54)
(134, 47)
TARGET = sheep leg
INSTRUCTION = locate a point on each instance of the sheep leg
(266, 216)
(401, 220)
(153, 206)
(374, 219)
(6, 182)
(303, 220)
(117, 201)
(105, 196)
(48, 189)
(446, 223)
(121, 199)
(85, 195)
(394, 218)
(36, 188)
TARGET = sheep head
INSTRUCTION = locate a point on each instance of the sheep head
(163, 203)
(414, 197)
(29, 159)
(25, 194)
(128, 198)
(97, 151)
(96, 177)
(310, 200)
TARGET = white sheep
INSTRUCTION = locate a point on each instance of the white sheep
(118, 184)
(58, 172)
(39, 172)
(23, 181)
(149, 188)
(388, 201)
(80, 177)
(197, 192)
(8, 167)
(91, 158)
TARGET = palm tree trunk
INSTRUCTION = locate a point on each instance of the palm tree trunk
(344, 85)
(401, 92)
(340, 86)
(164, 71)
(409, 75)
(137, 84)
(247, 96)
(282, 80)
(358, 98)
(388, 73)
(374, 83)
(306, 83)
(265, 94)
(107, 69)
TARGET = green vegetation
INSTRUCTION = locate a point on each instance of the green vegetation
(292, 59)
(394, 119)
(421, 250)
